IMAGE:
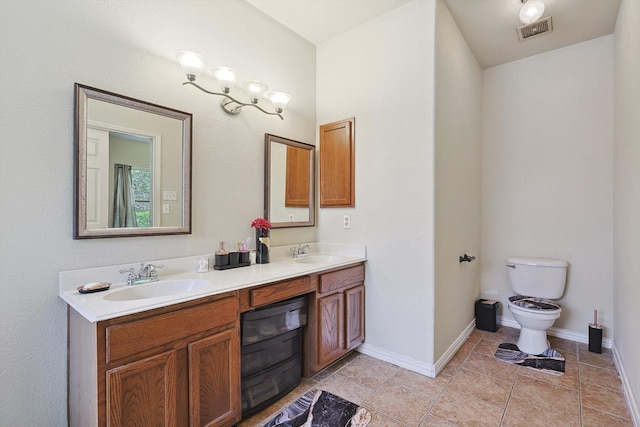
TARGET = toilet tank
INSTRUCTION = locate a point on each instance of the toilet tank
(537, 277)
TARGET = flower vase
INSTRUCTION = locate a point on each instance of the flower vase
(262, 245)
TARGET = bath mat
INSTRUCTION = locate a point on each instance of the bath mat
(550, 361)
(319, 408)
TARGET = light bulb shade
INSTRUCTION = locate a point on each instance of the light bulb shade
(192, 64)
(279, 100)
(531, 11)
(255, 89)
(226, 78)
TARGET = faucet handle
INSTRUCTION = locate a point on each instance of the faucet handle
(151, 268)
(131, 276)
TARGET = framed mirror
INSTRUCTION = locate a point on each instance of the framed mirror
(132, 167)
(289, 182)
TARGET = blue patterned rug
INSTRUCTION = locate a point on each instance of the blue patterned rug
(550, 361)
(319, 408)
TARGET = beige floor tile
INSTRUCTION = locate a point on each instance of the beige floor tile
(504, 334)
(600, 376)
(491, 366)
(483, 387)
(346, 388)
(592, 418)
(461, 409)
(562, 345)
(421, 383)
(604, 399)
(400, 403)
(486, 347)
(334, 367)
(368, 371)
(433, 421)
(380, 420)
(524, 413)
(542, 393)
(604, 360)
(476, 335)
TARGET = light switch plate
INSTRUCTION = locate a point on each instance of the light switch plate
(169, 195)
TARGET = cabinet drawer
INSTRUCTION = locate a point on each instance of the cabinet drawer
(341, 278)
(134, 337)
(280, 291)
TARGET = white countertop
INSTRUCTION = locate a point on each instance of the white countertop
(94, 307)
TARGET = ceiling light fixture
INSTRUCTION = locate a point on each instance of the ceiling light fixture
(193, 64)
(531, 10)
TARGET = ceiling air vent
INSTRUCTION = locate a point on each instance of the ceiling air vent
(534, 29)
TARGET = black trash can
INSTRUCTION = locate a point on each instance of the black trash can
(487, 315)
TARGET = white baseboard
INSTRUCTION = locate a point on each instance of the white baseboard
(398, 359)
(628, 392)
(415, 365)
(558, 332)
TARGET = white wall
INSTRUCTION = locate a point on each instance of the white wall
(626, 290)
(381, 73)
(127, 48)
(457, 181)
(547, 171)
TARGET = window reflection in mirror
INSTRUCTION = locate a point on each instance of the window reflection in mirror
(133, 167)
(289, 182)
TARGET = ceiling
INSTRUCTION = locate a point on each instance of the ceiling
(488, 26)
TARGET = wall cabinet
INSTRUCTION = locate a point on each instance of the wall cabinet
(173, 366)
(337, 164)
(339, 315)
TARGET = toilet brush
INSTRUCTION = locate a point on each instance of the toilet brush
(595, 334)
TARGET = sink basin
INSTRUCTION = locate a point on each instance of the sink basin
(156, 289)
(318, 259)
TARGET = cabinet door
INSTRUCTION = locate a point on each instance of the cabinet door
(337, 164)
(143, 393)
(330, 344)
(214, 380)
(354, 316)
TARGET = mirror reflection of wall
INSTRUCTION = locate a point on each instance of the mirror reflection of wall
(286, 199)
(145, 142)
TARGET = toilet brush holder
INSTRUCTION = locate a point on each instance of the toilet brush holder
(595, 338)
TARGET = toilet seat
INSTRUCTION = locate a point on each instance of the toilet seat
(533, 304)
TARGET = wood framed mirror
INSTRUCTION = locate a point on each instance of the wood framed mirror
(289, 183)
(132, 167)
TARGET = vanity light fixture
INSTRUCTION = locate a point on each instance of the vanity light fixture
(193, 64)
(531, 10)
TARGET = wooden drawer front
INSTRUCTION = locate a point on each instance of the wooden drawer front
(280, 291)
(341, 278)
(134, 337)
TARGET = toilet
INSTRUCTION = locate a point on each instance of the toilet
(537, 282)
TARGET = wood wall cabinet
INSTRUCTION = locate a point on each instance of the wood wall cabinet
(337, 164)
(297, 178)
(173, 366)
(338, 314)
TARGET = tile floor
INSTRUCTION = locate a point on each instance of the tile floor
(475, 389)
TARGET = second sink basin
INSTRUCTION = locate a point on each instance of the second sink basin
(156, 289)
(318, 259)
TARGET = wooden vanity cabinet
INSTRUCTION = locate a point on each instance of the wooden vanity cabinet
(338, 314)
(173, 366)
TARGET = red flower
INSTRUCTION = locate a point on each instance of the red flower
(260, 223)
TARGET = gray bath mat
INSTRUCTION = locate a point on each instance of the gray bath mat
(550, 361)
(318, 408)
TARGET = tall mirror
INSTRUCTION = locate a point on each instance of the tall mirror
(289, 182)
(132, 167)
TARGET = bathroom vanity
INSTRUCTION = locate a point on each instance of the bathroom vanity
(175, 359)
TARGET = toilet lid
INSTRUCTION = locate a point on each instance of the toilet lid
(533, 303)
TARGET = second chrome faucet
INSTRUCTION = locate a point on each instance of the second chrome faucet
(147, 273)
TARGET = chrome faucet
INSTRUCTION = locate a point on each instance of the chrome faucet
(147, 273)
(300, 250)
